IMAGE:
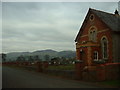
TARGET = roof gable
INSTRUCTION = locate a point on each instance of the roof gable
(83, 25)
(111, 20)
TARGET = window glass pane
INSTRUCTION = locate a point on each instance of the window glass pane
(94, 36)
(95, 55)
(104, 47)
(90, 35)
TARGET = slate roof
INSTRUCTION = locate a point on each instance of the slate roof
(112, 20)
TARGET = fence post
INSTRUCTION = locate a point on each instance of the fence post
(101, 73)
(78, 69)
(39, 67)
(45, 64)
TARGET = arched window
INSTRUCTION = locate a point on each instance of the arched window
(93, 33)
(104, 48)
(95, 56)
(91, 17)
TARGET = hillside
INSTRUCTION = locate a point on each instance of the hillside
(41, 53)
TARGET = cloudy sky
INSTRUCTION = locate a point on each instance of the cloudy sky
(30, 26)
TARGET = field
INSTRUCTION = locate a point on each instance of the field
(62, 67)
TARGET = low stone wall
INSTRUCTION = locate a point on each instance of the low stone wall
(110, 71)
(43, 68)
(31, 68)
(100, 72)
(62, 73)
(89, 75)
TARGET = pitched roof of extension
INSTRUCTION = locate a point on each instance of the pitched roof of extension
(111, 20)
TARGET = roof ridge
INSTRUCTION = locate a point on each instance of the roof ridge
(108, 19)
(103, 12)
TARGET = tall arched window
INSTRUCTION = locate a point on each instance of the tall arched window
(104, 48)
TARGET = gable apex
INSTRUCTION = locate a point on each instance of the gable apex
(111, 20)
(83, 24)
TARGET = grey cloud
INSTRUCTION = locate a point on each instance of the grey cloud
(31, 26)
(22, 45)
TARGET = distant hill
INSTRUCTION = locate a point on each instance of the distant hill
(67, 54)
(13, 55)
(41, 53)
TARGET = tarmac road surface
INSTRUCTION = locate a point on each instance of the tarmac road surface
(17, 78)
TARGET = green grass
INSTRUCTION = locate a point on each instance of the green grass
(111, 83)
(62, 67)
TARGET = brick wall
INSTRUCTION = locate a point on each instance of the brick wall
(101, 72)
(102, 30)
(109, 71)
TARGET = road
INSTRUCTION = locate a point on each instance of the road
(17, 78)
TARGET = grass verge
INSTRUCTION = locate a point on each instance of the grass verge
(115, 83)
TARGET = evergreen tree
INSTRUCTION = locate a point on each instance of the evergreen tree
(36, 58)
(3, 57)
(47, 57)
(30, 58)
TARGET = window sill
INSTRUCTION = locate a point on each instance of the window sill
(78, 61)
(100, 61)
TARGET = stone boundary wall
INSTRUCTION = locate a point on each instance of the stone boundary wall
(100, 72)
(110, 71)
(63, 73)
(43, 68)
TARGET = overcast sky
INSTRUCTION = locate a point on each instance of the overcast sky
(30, 26)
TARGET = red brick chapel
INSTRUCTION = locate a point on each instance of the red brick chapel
(98, 40)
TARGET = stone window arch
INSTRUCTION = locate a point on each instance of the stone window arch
(104, 46)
